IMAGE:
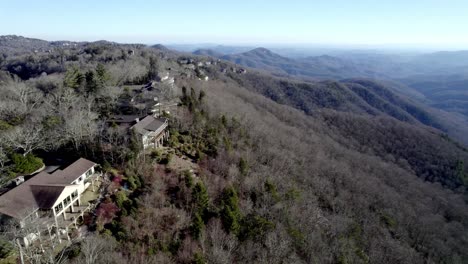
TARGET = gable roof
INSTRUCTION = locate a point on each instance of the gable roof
(45, 196)
(42, 190)
(72, 172)
(18, 202)
(150, 124)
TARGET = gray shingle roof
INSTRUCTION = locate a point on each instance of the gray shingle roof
(149, 124)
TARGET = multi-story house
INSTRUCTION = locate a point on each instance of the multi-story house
(49, 201)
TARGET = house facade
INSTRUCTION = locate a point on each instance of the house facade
(152, 131)
(50, 203)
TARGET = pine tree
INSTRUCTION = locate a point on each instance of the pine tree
(230, 213)
(200, 197)
(91, 82)
(73, 78)
(197, 225)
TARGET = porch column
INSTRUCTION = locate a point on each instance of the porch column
(72, 209)
(39, 232)
(48, 230)
(57, 230)
(68, 237)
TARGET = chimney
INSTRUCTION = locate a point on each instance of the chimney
(19, 180)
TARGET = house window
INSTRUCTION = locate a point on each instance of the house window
(88, 173)
(74, 194)
(67, 201)
(58, 208)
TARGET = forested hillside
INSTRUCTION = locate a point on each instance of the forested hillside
(281, 170)
(436, 79)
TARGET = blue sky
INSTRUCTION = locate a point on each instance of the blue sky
(339, 22)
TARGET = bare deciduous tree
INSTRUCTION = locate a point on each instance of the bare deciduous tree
(94, 249)
(26, 138)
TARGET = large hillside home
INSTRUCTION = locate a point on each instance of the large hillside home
(49, 201)
(152, 131)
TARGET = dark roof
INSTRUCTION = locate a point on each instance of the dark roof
(46, 195)
(150, 124)
(41, 190)
(18, 202)
(72, 172)
(155, 125)
(124, 119)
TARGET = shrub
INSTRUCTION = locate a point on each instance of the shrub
(271, 189)
(199, 155)
(26, 164)
(166, 159)
(243, 166)
(120, 198)
(5, 248)
(155, 154)
(198, 259)
(133, 182)
(4, 125)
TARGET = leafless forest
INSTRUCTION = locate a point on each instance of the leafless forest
(288, 171)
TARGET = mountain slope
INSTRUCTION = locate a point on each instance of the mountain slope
(285, 170)
(316, 67)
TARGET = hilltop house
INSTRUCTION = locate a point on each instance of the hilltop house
(164, 78)
(49, 201)
(152, 131)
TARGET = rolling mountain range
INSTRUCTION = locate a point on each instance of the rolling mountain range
(331, 158)
(437, 79)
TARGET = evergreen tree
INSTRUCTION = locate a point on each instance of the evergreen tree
(102, 74)
(153, 69)
(91, 82)
(200, 197)
(197, 225)
(230, 213)
(73, 78)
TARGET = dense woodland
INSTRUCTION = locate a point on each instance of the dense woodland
(287, 171)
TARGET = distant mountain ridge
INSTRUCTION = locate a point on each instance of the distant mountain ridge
(324, 66)
(208, 52)
(439, 79)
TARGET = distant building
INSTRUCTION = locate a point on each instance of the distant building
(191, 66)
(152, 131)
(183, 61)
(163, 77)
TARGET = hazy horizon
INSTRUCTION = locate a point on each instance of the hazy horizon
(426, 25)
